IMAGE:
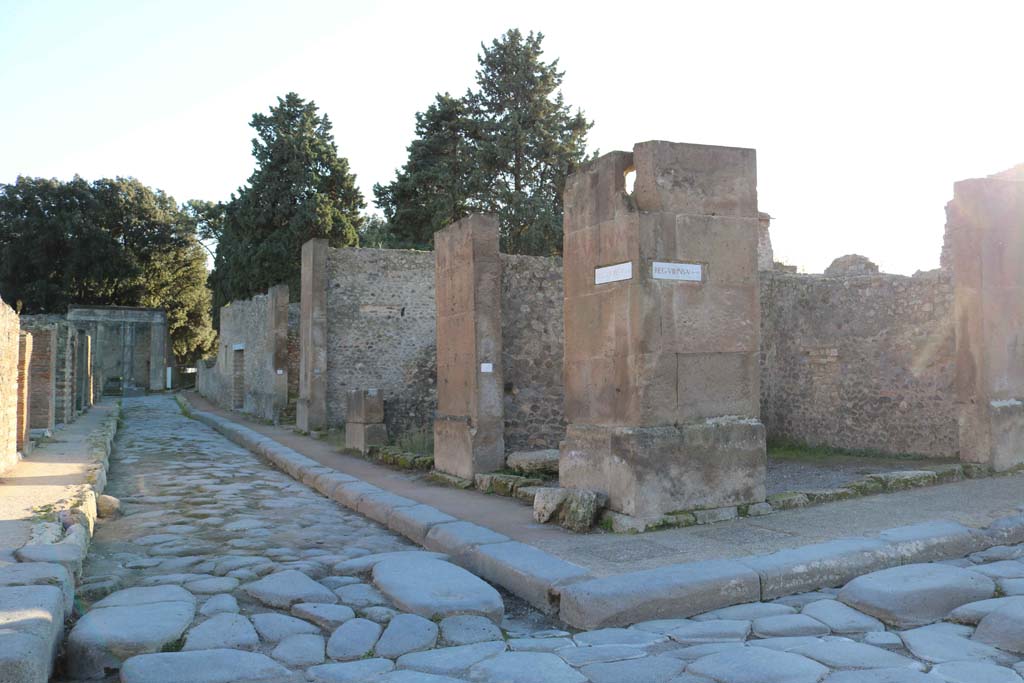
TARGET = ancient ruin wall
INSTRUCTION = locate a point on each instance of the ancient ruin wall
(65, 347)
(294, 350)
(859, 362)
(9, 330)
(381, 333)
(532, 332)
(42, 371)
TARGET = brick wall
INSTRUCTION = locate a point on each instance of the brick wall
(42, 372)
(859, 362)
(532, 347)
(9, 342)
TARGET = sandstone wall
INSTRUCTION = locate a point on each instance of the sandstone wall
(859, 362)
(9, 331)
(381, 333)
(532, 331)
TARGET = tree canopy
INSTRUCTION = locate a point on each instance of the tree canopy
(106, 242)
(300, 189)
(504, 148)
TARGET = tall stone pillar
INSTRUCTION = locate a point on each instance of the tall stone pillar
(158, 355)
(469, 427)
(277, 319)
(311, 408)
(985, 232)
(662, 330)
(24, 443)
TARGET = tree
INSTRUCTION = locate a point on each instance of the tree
(300, 189)
(505, 148)
(109, 242)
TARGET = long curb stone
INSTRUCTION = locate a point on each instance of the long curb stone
(416, 522)
(379, 506)
(530, 573)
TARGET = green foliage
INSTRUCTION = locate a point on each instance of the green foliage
(109, 242)
(505, 148)
(300, 189)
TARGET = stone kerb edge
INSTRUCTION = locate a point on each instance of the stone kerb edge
(58, 563)
(539, 584)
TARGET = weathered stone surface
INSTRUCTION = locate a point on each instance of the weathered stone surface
(1003, 628)
(108, 506)
(915, 594)
(458, 539)
(547, 503)
(646, 670)
(618, 636)
(303, 649)
(598, 654)
(350, 672)
(534, 462)
(932, 541)
(540, 644)
(839, 654)
(711, 631)
(362, 565)
(786, 625)
(40, 574)
(450, 660)
(973, 612)
(201, 666)
(525, 667)
(974, 672)
(406, 633)
(883, 639)
(580, 509)
(758, 665)
(880, 676)
(526, 571)
(274, 627)
(435, 589)
(218, 584)
(31, 617)
(748, 611)
(222, 631)
(353, 639)
(673, 591)
(841, 618)
(219, 603)
(415, 522)
(324, 615)
(380, 506)
(26, 657)
(286, 588)
(360, 595)
(408, 676)
(465, 629)
(936, 643)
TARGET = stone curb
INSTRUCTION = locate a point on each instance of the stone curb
(48, 567)
(674, 591)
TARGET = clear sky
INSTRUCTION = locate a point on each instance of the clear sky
(863, 113)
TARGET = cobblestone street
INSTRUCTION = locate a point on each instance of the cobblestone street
(226, 569)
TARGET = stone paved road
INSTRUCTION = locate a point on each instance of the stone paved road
(228, 570)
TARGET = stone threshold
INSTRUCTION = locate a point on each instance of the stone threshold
(583, 601)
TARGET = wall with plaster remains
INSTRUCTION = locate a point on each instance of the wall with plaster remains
(9, 331)
(863, 362)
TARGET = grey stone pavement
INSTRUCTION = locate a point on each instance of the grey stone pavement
(224, 569)
(974, 503)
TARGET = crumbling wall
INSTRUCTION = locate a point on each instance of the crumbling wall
(380, 324)
(42, 373)
(63, 337)
(9, 331)
(532, 332)
(862, 362)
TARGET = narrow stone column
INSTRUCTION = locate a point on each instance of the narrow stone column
(277, 334)
(985, 231)
(24, 443)
(311, 409)
(158, 355)
(469, 426)
(662, 330)
(43, 381)
(364, 420)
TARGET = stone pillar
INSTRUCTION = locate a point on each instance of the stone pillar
(127, 355)
(364, 420)
(662, 330)
(87, 373)
(311, 409)
(277, 334)
(43, 380)
(985, 234)
(469, 426)
(158, 355)
(24, 443)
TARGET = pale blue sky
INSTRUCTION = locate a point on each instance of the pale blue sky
(863, 113)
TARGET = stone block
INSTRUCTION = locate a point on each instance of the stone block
(675, 591)
(457, 539)
(534, 462)
(31, 619)
(933, 541)
(526, 571)
(364, 405)
(362, 437)
(380, 506)
(415, 522)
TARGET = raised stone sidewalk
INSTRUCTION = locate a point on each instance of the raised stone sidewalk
(47, 515)
(584, 598)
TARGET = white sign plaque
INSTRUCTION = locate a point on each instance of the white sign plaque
(620, 271)
(487, 367)
(687, 272)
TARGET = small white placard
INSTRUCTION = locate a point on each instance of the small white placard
(687, 272)
(620, 271)
(487, 367)
(280, 371)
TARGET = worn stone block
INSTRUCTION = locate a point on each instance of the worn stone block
(364, 405)
(414, 522)
(362, 437)
(526, 571)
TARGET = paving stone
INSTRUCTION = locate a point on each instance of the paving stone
(353, 639)
(973, 612)
(915, 594)
(787, 643)
(322, 614)
(202, 666)
(940, 645)
(758, 665)
(524, 570)
(1011, 586)
(581, 656)
(880, 676)
(350, 672)
(801, 600)
(381, 615)
(274, 627)
(365, 563)
(224, 630)
(450, 661)
(303, 649)
(435, 589)
(220, 584)
(219, 603)
(647, 670)
(416, 521)
(284, 589)
(883, 639)
(525, 667)
(32, 626)
(406, 633)
(975, 672)
(841, 618)
(786, 625)
(1003, 628)
(661, 625)
(464, 629)
(539, 644)
(1004, 569)
(360, 595)
(131, 597)
(619, 636)
(810, 567)
(749, 611)
(849, 655)
(408, 676)
(458, 539)
(711, 631)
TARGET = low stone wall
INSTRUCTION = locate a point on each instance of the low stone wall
(9, 331)
(532, 331)
(859, 362)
